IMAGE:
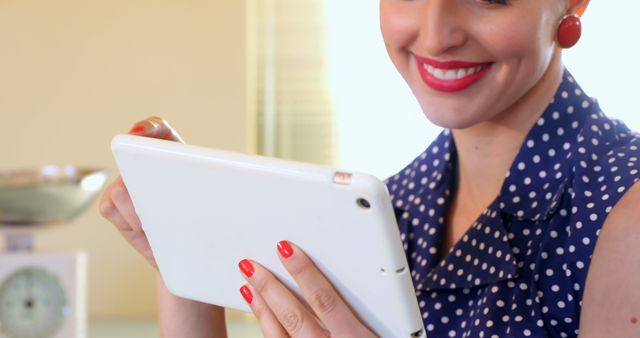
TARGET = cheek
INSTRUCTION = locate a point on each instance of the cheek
(396, 25)
(525, 42)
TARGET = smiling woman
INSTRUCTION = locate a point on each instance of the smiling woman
(520, 219)
(356, 98)
(430, 75)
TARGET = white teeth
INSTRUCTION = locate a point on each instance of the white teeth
(451, 74)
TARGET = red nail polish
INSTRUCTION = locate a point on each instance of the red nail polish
(246, 294)
(136, 129)
(246, 267)
(285, 249)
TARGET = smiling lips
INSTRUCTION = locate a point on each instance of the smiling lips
(451, 76)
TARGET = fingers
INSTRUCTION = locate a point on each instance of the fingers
(155, 127)
(273, 302)
(109, 210)
(117, 208)
(140, 242)
(292, 315)
(269, 324)
(122, 200)
(323, 298)
(116, 205)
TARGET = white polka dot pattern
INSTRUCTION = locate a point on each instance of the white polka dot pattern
(520, 269)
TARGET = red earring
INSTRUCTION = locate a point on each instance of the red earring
(569, 31)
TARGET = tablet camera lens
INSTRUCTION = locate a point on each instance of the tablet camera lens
(363, 203)
(417, 333)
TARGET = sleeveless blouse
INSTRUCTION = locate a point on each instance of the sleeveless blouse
(520, 269)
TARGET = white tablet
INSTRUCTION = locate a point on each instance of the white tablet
(204, 210)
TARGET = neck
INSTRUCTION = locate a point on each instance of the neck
(487, 150)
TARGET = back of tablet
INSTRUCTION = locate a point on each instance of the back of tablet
(204, 210)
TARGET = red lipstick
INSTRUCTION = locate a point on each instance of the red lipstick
(451, 76)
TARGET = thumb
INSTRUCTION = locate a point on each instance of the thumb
(155, 127)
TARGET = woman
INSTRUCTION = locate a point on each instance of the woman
(548, 250)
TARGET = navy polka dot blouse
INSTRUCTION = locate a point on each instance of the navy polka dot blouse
(520, 269)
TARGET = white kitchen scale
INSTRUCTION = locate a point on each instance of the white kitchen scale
(43, 294)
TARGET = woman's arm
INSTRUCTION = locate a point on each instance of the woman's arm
(187, 318)
(611, 305)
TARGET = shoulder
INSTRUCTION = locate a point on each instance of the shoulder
(605, 165)
(611, 305)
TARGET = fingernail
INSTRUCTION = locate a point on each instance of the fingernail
(246, 267)
(246, 294)
(136, 129)
(285, 249)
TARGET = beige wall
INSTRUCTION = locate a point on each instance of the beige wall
(75, 72)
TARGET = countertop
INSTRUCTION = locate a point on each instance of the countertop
(238, 326)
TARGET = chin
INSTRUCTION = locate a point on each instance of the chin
(451, 118)
(450, 122)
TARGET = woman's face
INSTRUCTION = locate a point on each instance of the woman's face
(468, 61)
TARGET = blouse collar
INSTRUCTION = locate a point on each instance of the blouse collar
(532, 189)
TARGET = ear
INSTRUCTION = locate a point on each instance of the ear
(578, 6)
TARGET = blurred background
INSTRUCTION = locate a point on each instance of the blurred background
(306, 80)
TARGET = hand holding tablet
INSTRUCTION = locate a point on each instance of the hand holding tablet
(216, 208)
(282, 314)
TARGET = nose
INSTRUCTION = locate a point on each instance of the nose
(441, 27)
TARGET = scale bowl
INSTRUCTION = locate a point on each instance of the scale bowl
(49, 194)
